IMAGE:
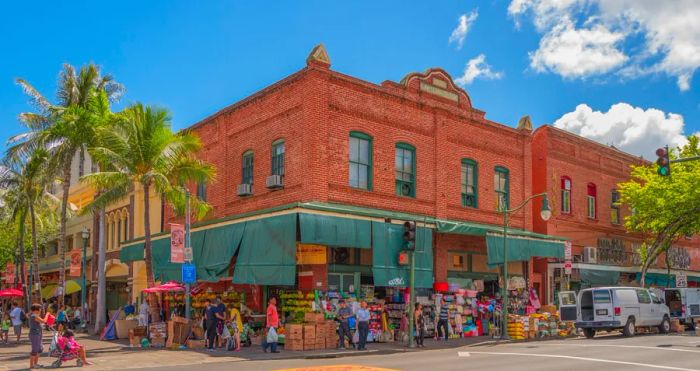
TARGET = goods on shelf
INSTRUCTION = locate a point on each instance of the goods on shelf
(518, 327)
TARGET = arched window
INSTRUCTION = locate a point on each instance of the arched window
(565, 195)
(278, 157)
(202, 190)
(247, 173)
(360, 160)
(469, 183)
(405, 170)
(501, 184)
(592, 195)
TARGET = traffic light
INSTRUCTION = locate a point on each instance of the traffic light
(403, 258)
(409, 235)
(663, 161)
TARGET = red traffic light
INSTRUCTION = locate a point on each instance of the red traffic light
(661, 152)
(403, 258)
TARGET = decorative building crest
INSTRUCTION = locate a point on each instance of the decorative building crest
(319, 56)
(525, 123)
(438, 83)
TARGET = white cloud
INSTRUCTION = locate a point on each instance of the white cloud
(477, 68)
(465, 23)
(572, 52)
(630, 129)
(668, 30)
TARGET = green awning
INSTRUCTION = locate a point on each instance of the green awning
(476, 229)
(335, 231)
(387, 244)
(213, 249)
(521, 249)
(595, 277)
(131, 253)
(267, 255)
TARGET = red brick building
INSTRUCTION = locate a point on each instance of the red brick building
(582, 176)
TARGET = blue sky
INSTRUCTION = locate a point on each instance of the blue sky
(197, 57)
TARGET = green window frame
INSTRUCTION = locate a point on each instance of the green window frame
(278, 150)
(202, 190)
(470, 182)
(615, 207)
(360, 160)
(565, 195)
(247, 169)
(501, 184)
(405, 163)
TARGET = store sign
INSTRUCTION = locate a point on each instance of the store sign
(567, 250)
(75, 262)
(10, 273)
(311, 254)
(189, 273)
(177, 243)
(398, 281)
(611, 251)
(681, 280)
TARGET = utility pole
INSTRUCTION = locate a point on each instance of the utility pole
(188, 254)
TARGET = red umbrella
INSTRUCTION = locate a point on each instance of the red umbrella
(8, 293)
(168, 286)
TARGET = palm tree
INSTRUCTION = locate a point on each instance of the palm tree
(26, 193)
(64, 129)
(144, 152)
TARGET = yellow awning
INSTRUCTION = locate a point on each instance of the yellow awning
(48, 291)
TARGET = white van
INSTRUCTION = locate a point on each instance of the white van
(614, 308)
(683, 303)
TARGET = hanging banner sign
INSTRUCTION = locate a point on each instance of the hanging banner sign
(10, 273)
(177, 243)
(75, 262)
(567, 250)
(311, 254)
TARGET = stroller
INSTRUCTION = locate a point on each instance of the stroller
(62, 352)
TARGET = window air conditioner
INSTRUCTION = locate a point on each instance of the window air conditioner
(274, 182)
(245, 189)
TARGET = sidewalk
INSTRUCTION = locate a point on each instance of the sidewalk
(116, 355)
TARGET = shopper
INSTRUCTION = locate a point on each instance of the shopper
(17, 316)
(362, 325)
(237, 325)
(36, 322)
(220, 309)
(210, 321)
(143, 313)
(5, 327)
(344, 314)
(272, 322)
(443, 320)
(61, 319)
(419, 325)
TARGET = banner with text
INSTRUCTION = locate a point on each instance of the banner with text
(75, 262)
(177, 243)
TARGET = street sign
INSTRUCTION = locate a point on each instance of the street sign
(681, 280)
(188, 254)
(189, 274)
(567, 267)
(567, 250)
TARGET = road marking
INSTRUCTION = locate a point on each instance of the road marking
(468, 354)
(618, 346)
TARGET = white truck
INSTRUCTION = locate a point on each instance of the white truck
(683, 304)
(614, 308)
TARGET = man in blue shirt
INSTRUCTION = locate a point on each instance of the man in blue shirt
(362, 325)
(344, 314)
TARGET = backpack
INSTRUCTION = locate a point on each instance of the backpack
(23, 316)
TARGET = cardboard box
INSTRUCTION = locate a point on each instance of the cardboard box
(293, 331)
(195, 344)
(314, 317)
(309, 346)
(135, 341)
(309, 332)
(294, 345)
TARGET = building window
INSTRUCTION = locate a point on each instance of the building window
(405, 170)
(615, 207)
(501, 185)
(360, 175)
(469, 183)
(278, 158)
(247, 177)
(457, 261)
(119, 232)
(591, 200)
(202, 190)
(566, 195)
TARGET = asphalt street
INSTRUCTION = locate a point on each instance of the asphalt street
(646, 352)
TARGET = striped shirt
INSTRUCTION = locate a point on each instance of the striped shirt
(444, 312)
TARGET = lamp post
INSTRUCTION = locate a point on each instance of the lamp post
(85, 234)
(545, 214)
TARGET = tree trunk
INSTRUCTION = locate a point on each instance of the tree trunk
(668, 270)
(150, 279)
(62, 232)
(81, 164)
(35, 255)
(23, 279)
(101, 315)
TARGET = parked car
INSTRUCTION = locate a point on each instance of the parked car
(614, 308)
(683, 304)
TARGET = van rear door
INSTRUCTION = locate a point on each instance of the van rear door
(602, 305)
(568, 309)
(692, 302)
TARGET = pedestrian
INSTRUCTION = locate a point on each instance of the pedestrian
(211, 317)
(17, 316)
(237, 325)
(143, 313)
(220, 309)
(272, 322)
(67, 343)
(443, 319)
(344, 315)
(362, 325)
(61, 319)
(419, 325)
(36, 321)
(5, 327)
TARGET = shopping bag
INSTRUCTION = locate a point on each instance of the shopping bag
(272, 335)
(356, 337)
(225, 333)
